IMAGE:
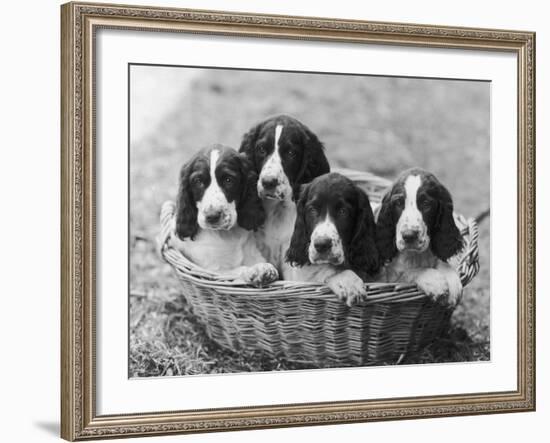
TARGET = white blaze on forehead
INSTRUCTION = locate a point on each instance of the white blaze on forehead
(278, 132)
(214, 156)
(213, 197)
(411, 217)
(214, 188)
(412, 184)
(274, 162)
(273, 169)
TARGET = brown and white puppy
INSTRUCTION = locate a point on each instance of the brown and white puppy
(217, 211)
(417, 235)
(334, 239)
(286, 154)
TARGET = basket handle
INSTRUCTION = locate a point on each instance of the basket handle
(469, 265)
(166, 225)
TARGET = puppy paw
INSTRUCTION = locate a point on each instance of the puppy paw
(260, 274)
(347, 286)
(455, 289)
(434, 284)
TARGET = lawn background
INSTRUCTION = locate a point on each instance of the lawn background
(378, 124)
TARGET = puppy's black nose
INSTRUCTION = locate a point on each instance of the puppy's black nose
(269, 182)
(322, 244)
(213, 217)
(410, 235)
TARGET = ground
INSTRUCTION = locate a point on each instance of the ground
(381, 125)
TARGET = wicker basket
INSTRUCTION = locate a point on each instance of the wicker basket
(305, 322)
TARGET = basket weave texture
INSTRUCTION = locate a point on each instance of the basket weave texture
(305, 322)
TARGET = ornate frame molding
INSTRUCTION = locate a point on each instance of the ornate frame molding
(79, 420)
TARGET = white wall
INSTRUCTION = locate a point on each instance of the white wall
(29, 198)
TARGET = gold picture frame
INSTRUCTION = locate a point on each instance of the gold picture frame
(79, 22)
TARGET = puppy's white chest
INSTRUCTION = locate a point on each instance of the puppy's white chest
(274, 237)
(408, 260)
(309, 273)
(216, 250)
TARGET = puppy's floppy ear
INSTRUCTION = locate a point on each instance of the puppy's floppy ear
(297, 254)
(250, 211)
(248, 144)
(385, 229)
(186, 209)
(446, 240)
(300, 189)
(363, 253)
(314, 160)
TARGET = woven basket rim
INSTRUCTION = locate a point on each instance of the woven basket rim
(376, 291)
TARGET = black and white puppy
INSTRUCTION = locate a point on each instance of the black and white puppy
(286, 155)
(417, 235)
(334, 240)
(217, 211)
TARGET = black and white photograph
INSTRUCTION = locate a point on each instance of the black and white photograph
(302, 220)
(272, 220)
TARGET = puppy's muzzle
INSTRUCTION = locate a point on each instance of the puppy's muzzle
(270, 186)
(410, 236)
(213, 217)
(270, 183)
(217, 219)
(322, 245)
(324, 249)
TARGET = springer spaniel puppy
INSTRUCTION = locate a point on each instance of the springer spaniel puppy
(334, 239)
(217, 209)
(285, 154)
(417, 235)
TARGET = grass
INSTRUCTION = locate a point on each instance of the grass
(382, 125)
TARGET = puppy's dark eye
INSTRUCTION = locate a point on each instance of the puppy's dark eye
(228, 180)
(426, 205)
(261, 149)
(398, 201)
(342, 212)
(312, 210)
(197, 181)
(290, 153)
